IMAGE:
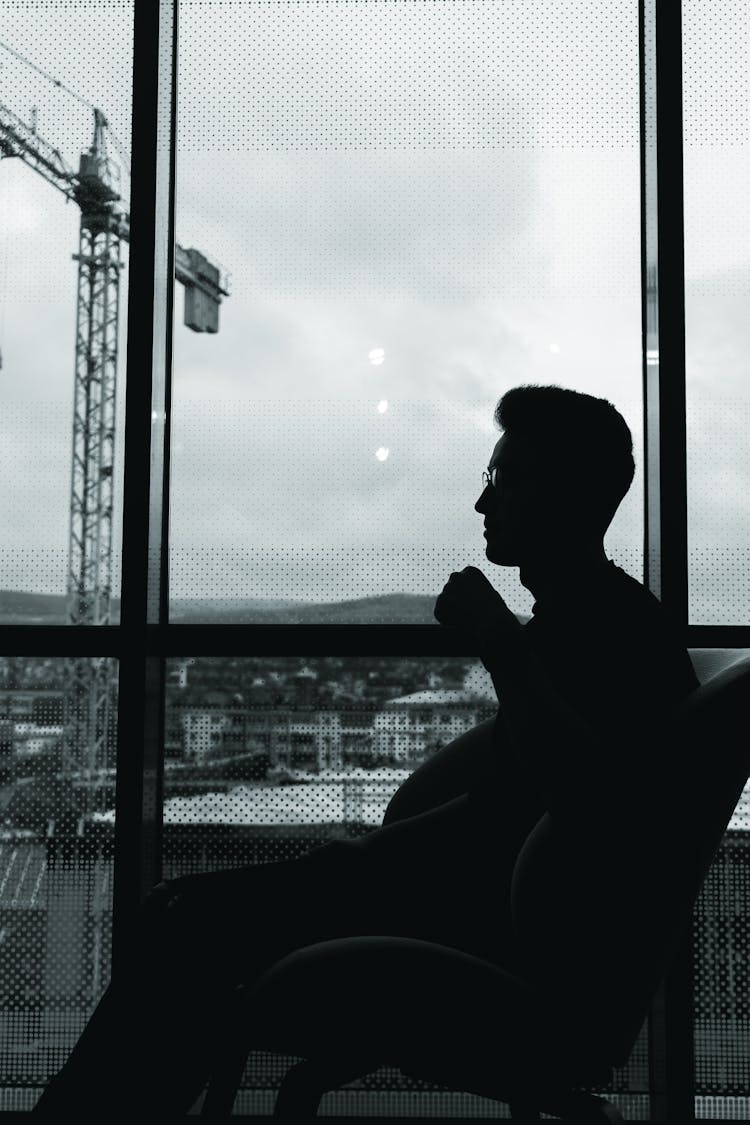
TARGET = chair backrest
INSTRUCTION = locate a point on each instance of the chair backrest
(599, 920)
(713, 724)
(708, 662)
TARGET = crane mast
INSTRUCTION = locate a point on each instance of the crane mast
(90, 689)
(91, 685)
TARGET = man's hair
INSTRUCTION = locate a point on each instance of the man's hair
(581, 441)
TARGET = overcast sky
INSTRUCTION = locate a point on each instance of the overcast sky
(420, 204)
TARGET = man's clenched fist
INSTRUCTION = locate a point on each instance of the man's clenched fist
(471, 602)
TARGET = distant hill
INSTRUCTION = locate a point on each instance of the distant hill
(20, 608)
(386, 609)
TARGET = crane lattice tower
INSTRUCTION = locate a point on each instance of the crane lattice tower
(91, 684)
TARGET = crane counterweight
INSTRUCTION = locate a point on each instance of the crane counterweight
(95, 175)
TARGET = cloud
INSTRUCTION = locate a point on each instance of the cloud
(414, 226)
(412, 75)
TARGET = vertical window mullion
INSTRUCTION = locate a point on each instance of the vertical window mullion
(144, 564)
(663, 287)
(663, 295)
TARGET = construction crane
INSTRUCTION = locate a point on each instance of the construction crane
(90, 684)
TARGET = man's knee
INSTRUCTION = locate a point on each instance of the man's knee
(448, 773)
(399, 807)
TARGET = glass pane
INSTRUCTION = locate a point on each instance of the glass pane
(63, 307)
(57, 764)
(717, 288)
(722, 981)
(420, 205)
(720, 947)
(269, 757)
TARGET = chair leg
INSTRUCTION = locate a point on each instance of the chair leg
(225, 1081)
(305, 1084)
(576, 1109)
(589, 1109)
(523, 1112)
(300, 1093)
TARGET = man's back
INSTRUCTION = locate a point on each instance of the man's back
(589, 876)
(610, 650)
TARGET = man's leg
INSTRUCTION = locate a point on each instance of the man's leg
(148, 1046)
(479, 762)
(448, 772)
(444, 876)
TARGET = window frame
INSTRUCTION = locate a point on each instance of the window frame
(144, 639)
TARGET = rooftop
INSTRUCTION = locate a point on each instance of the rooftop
(436, 698)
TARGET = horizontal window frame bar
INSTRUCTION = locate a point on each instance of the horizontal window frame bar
(277, 640)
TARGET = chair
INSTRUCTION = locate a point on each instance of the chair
(468, 1025)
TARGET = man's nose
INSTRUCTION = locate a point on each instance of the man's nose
(483, 504)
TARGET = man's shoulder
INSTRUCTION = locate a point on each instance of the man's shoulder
(612, 594)
(620, 644)
(620, 590)
(615, 611)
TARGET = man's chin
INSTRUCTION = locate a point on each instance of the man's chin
(500, 554)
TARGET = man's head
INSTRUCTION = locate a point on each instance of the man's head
(561, 468)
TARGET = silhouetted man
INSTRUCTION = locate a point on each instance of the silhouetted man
(573, 749)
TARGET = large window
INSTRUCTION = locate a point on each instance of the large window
(417, 212)
(322, 240)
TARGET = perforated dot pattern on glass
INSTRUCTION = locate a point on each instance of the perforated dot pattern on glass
(720, 945)
(408, 73)
(717, 285)
(56, 788)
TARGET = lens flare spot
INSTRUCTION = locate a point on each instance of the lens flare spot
(376, 356)
(382, 453)
(382, 406)
(555, 349)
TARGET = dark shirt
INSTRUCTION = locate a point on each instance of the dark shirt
(587, 903)
(611, 652)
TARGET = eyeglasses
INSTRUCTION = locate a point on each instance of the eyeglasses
(489, 477)
(501, 476)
